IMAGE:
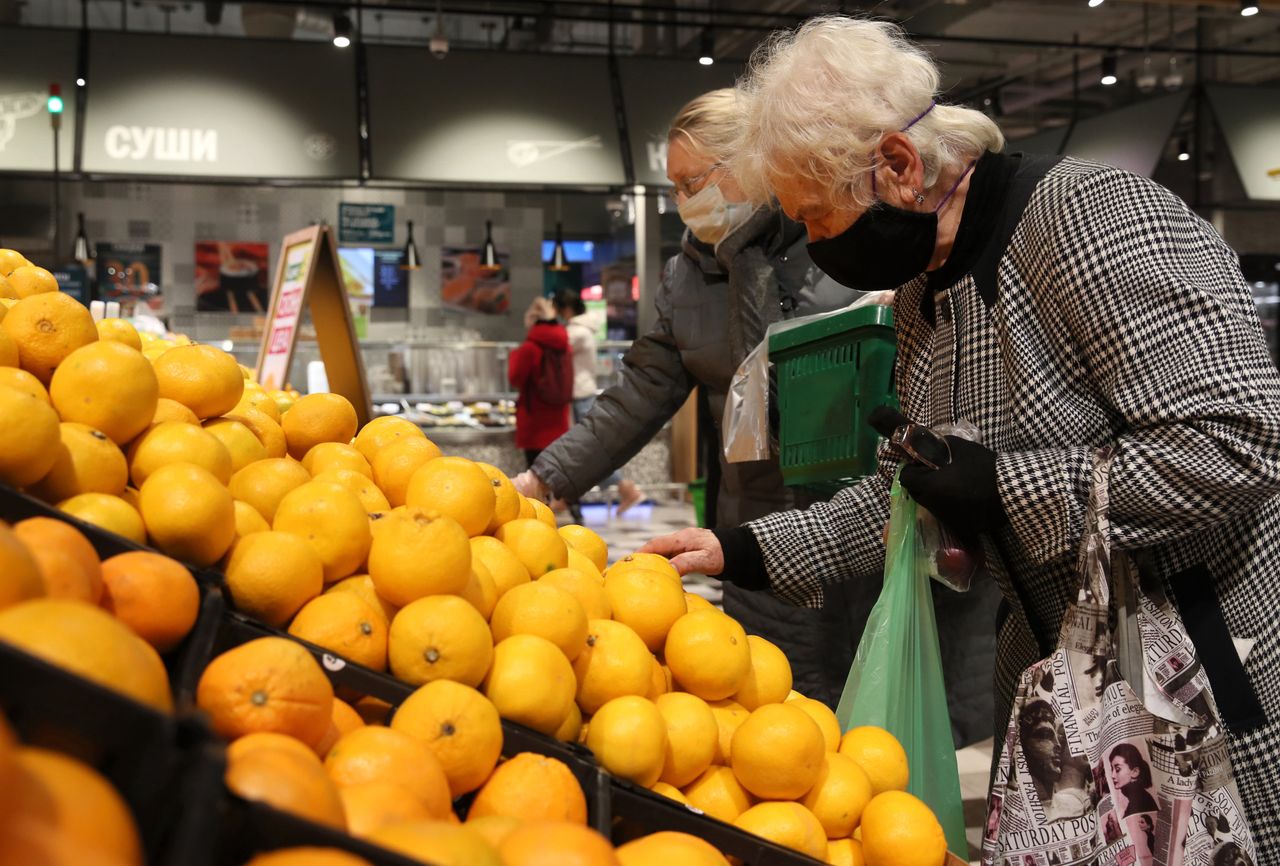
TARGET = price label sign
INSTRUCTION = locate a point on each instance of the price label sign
(282, 327)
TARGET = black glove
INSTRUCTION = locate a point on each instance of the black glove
(963, 493)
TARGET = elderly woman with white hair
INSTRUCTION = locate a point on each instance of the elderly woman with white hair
(1060, 306)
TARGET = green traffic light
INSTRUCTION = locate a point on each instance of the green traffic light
(55, 104)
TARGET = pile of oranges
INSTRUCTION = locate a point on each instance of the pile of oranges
(377, 547)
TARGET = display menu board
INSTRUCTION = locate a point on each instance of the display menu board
(653, 91)
(492, 118)
(182, 105)
(34, 59)
(1250, 121)
(1131, 138)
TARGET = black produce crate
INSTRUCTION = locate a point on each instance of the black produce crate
(249, 828)
(638, 812)
(147, 755)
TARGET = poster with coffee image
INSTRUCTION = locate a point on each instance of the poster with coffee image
(231, 277)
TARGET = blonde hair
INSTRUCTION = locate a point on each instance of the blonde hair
(816, 102)
(709, 124)
(540, 309)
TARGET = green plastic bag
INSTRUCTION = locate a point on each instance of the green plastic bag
(896, 678)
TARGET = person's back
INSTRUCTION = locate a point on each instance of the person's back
(542, 414)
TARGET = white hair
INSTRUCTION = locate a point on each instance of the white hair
(817, 100)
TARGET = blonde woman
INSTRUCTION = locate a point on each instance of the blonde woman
(1060, 306)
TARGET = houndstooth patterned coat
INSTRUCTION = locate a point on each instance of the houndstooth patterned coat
(1118, 316)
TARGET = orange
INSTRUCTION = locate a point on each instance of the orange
(768, 680)
(493, 828)
(119, 331)
(373, 711)
(271, 575)
(28, 280)
(254, 398)
(241, 444)
(371, 498)
(614, 662)
(370, 806)
(697, 602)
(48, 328)
(587, 543)
(188, 513)
(658, 684)
(538, 547)
(381, 432)
(265, 483)
(531, 787)
(177, 442)
(900, 830)
(530, 682)
(787, 824)
(304, 856)
(417, 553)
(670, 792)
(331, 519)
(91, 643)
(287, 781)
(506, 503)
(395, 464)
(670, 848)
(268, 684)
(459, 726)
(69, 566)
(777, 753)
(11, 260)
(729, 715)
(248, 520)
(106, 385)
(578, 561)
(29, 438)
(318, 418)
(718, 793)
(628, 736)
(377, 754)
(708, 654)
(335, 455)
(880, 756)
(647, 601)
(437, 843)
(269, 740)
(266, 428)
(456, 487)
(345, 625)
(845, 852)
(481, 592)
(205, 379)
(587, 589)
(692, 735)
(526, 509)
(362, 585)
(9, 356)
(61, 806)
(650, 561)
(839, 796)
(19, 572)
(345, 718)
(544, 610)
(827, 722)
(107, 512)
(87, 462)
(543, 513)
(440, 637)
(152, 594)
(172, 410)
(571, 728)
(556, 843)
(504, 566)
(23, 381)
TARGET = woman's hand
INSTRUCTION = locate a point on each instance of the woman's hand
(528, 484)
(690, 551)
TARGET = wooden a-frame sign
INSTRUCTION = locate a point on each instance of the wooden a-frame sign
(308, 276)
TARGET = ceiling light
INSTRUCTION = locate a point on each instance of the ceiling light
(341, 30)
(1094, 4)
(1248, 7)
(412, 261)
(707, 55)
(559, 260)
(1108, 70)
(489, 253)
(1184, 149)
(79, 82)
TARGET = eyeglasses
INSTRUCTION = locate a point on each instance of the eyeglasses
(921, 444)
(694, 185)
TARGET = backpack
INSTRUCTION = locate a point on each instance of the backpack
(553, 383)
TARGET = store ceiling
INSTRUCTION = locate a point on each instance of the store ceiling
(1015, 58)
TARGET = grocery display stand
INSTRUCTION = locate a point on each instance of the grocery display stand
(169, 768)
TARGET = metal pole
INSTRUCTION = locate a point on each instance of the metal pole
(57, 193)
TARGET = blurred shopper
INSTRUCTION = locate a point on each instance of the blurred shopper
(1061, 306)
(541, 370)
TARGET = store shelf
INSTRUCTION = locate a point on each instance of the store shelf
(491, 397)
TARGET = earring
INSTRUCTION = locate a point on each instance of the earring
(919, 196)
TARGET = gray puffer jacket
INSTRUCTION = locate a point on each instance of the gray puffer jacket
(713, 308)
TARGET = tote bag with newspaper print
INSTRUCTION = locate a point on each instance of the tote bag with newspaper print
(1090, 771)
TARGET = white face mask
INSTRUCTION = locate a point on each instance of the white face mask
(710, 217)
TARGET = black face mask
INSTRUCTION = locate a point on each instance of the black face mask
(885, 248)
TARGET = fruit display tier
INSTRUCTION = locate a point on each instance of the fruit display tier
(169, 767)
